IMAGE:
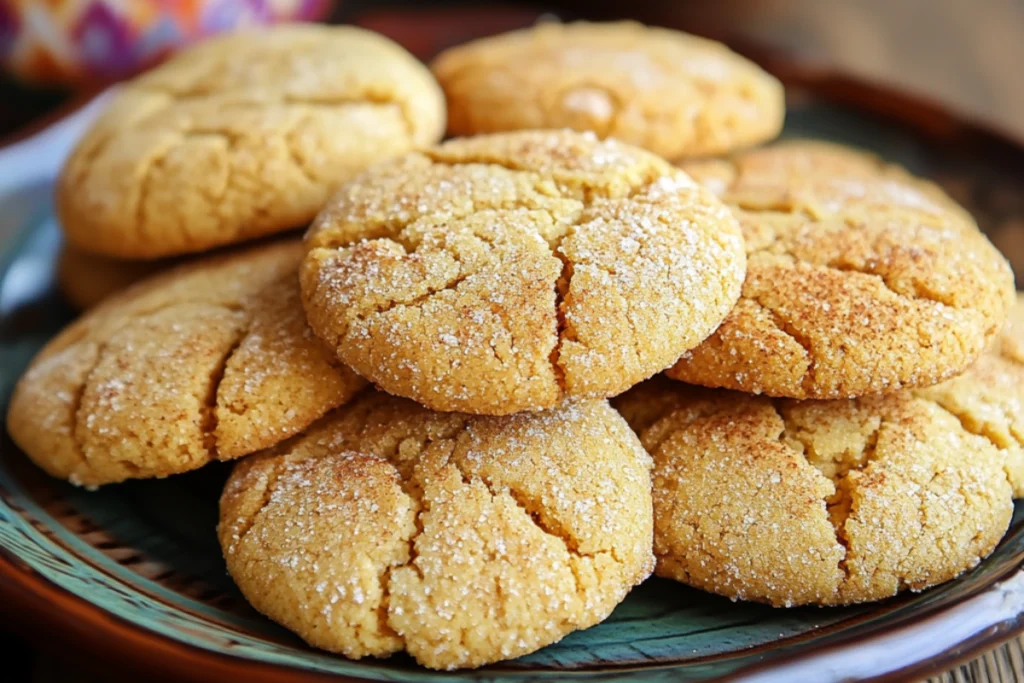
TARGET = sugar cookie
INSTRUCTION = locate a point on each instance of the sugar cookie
(241, 136)
(672, 93)
(460, 539)
(815, 502)
(860, 279)
(210, 361)
(508, 272)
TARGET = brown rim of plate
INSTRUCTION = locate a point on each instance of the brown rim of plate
(44, 608)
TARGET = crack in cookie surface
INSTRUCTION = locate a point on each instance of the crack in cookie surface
(819, 502)
(580, 266)
(239, 138)
(209, 361)
(469, 539)
(883, 271)
(988, 399)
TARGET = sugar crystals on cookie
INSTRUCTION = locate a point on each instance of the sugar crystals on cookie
(460, 539)
(210, 361)
(860, 278)
(670, 92)
(816, 502)
(509, 272)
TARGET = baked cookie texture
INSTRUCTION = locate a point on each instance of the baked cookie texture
(819, 178)
(861, 278)
(241, 136)
(87, 279)
(672, 93)
(988, 399)
(508, 272)
(461, 539)
(210, 361)
(815, 502)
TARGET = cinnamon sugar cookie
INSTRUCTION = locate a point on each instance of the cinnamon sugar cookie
(507, 272)
(241, 136)
(672, 93)
(815, 502)
(210, 361)
(817, 178)
(461, 540)
(861, 278)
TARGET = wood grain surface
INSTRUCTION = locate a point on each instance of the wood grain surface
(1005, 664)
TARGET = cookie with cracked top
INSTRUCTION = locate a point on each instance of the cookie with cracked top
(460, 539)
(989, 397)
(210, 361)
(241, 136)
(672, 93)
(816, 502)
(861, 278)
(509, 272)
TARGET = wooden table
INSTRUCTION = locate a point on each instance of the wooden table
(1005, 664)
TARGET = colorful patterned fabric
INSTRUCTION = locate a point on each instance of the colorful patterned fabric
(80, 41)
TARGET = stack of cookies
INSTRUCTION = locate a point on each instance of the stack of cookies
(841, 414)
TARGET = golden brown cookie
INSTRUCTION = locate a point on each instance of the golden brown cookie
(860, 278)
(461, 540)
(818, 178)
(210, 361)
(507, 272)
(815, 502)
(670, 92)
(87, 279)
(241, 136)
(989, 398)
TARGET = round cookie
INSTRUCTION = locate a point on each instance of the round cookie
(462, 540)
(672, 93)
(210, 361)
(860, 278)
(507, 272)
(815, 502)
(241, 136)
(86, 279)
(817, 178)
(988, 399)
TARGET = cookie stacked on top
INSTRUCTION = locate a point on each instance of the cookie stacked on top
(484, 499)
(240, 137)
(845, 471)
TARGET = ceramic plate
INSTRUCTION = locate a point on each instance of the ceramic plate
(133, 572)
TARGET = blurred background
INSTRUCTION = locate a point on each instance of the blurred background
(966, 54)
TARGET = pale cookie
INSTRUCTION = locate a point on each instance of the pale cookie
(861, 278)
(462, 540)
(87, 279)
(989, 398)
(815, 502)
(503, 273)
(672, 93)
(210, 361)
(241, 136)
